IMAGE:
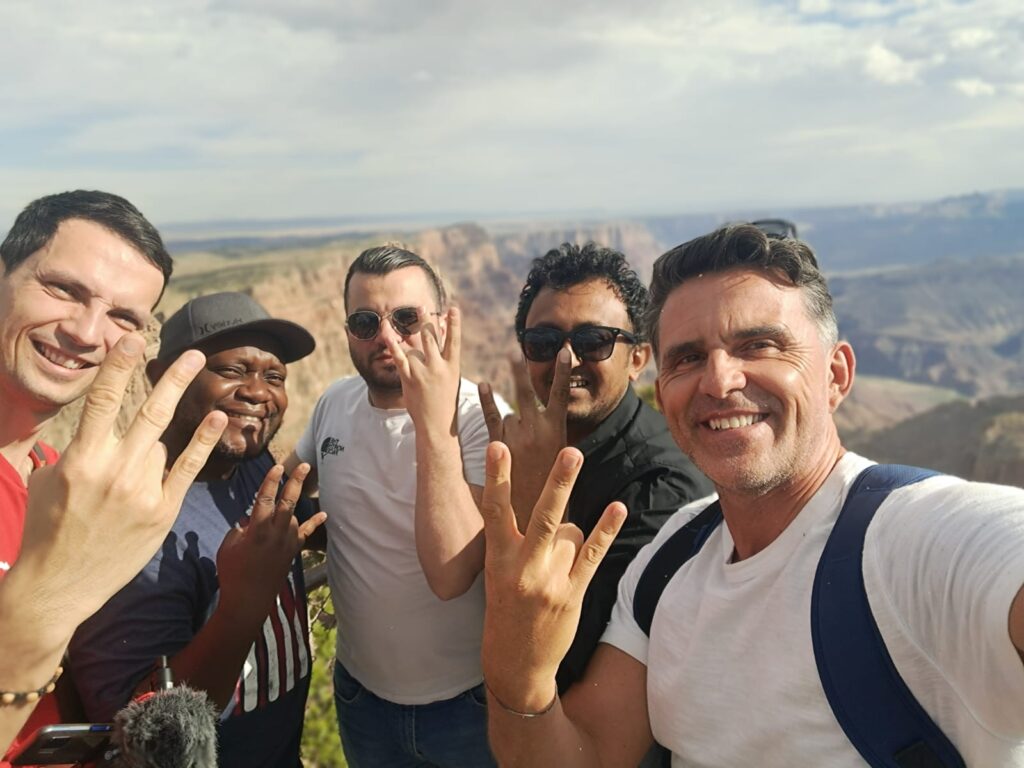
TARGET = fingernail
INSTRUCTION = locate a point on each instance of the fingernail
(192, 360)
(485, 388)
(570, 459)
(563, 355)
(132, 344)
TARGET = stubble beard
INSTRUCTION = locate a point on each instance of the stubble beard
(228, 452)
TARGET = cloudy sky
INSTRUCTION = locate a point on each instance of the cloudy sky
(225, 109)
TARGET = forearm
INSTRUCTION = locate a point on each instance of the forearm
(551, 739)
(213, 660)
(449, 529)
(31, 646)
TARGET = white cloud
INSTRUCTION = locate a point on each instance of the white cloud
(971, 37)
(973, 86)
(889, 67)
(815, 6)
(218, 108)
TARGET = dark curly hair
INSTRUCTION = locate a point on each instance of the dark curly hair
(743, 246)
(569, 265)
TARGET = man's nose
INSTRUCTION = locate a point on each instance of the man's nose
(722, 375)
(254, 388)
(86, 326)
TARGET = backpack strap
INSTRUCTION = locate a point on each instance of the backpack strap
(39, 454)
(676, 550)
(875, 708)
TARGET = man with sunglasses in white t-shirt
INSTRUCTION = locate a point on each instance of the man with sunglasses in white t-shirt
(578, 325)
(398, 455)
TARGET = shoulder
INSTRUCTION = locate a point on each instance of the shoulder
(945, 500)
(680, 518)
(341, 397)
(344, 388)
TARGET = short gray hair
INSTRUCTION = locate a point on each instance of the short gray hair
(743, 246)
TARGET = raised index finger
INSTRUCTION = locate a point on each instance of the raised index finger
(103, 401)
(496, 505)
(158, 409)
(290, 493)
(558, 398)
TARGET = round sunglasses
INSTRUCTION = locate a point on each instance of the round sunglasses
(591, 343)
(365, 323)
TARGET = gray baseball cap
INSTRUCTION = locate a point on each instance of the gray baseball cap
(213, 315)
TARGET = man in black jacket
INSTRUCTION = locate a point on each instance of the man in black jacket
(578, 325)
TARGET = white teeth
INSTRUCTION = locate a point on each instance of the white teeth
(577, 383)
(247, 419)
(58, 359)
(734, 422)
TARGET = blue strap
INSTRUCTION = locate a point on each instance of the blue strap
(876, 710)
(676, 550)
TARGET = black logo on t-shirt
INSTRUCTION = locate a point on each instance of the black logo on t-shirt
(331, 446)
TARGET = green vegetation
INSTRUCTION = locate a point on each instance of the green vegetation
(321, 747)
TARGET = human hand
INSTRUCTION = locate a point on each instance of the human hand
(535, 580)
(534, 435)
(254, 559)
(431, 377)
(96, 517)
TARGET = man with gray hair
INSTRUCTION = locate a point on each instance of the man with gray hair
(398, 455)
(824, 611)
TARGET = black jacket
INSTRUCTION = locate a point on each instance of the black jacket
(631, 457)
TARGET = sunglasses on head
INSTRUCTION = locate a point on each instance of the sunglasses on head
(365, 323)
(591, 343)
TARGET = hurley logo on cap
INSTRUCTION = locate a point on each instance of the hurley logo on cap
(216, 325)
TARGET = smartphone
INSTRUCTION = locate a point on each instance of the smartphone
(67, 743)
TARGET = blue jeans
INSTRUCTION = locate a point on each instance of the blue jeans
(376, 733)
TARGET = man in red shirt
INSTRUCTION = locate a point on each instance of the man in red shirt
(81, 273)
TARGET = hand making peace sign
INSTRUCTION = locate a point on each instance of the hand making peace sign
(535, 580)
(534, 435)
(96, 517)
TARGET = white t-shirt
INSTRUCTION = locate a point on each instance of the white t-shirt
(394, 635)
(731, 676)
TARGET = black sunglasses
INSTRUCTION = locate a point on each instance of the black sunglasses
(591, 343)
(778, 229)
(365, 324)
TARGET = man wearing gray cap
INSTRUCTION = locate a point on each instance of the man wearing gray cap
(224, 598)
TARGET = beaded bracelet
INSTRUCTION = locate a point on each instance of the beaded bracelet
(8, 698)
(516, 712)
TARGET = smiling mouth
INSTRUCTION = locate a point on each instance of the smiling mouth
(57, 357)
(578, 382)
(735, 422)
(247, 419)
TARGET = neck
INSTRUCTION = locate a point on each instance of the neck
(578, 431)
(20, 427)
(756, 519)
(386, 399)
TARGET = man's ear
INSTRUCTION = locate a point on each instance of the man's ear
(841, 374)
(639, 356)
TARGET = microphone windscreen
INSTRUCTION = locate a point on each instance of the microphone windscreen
(175, 728)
